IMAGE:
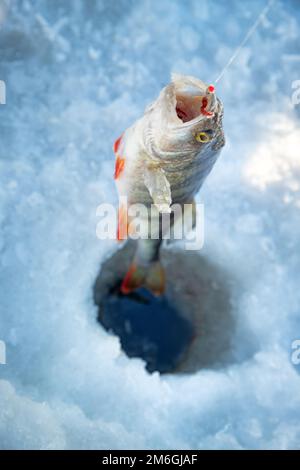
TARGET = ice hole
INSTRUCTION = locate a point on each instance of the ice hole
(191, 327)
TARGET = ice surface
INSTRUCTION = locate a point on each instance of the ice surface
(77, 73)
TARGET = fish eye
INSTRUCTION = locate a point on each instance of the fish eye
(204, 136)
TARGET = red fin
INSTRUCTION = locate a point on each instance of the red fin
(152, 278)
(155, 280)
(122, 230)
(133, 279)
(120, 163)
(117, 144)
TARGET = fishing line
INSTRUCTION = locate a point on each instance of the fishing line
(247, 37)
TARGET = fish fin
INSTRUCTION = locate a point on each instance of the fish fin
(117, 144)
(151, 277)
(155, 279)
(122, 230)
(133, 279)
(159, 188)
(119, 166)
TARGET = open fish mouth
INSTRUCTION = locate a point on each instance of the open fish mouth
(188, 107)
(194, 100)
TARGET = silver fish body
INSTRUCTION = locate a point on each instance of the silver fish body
(164, 158)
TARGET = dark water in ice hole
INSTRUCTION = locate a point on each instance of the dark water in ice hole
(195, 325)
(149, 327)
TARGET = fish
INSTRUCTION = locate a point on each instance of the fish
(161, 161)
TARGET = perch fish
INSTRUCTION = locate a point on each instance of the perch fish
(162, 160)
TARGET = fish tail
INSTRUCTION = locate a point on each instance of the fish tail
(155, 279)
(151, 276)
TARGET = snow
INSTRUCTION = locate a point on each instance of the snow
(77, 74)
